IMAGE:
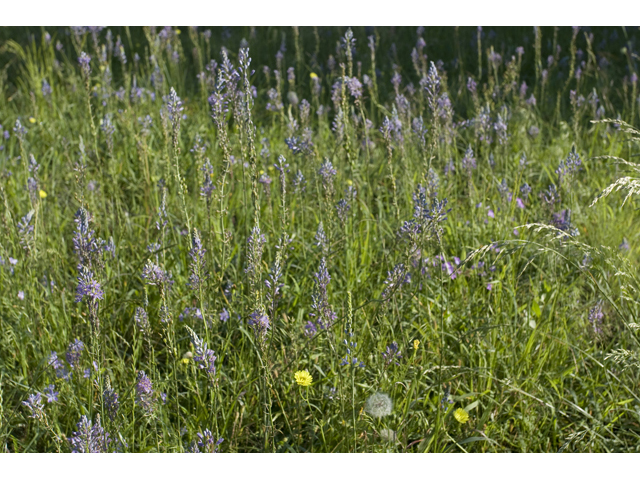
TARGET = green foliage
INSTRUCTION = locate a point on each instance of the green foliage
(519, 309)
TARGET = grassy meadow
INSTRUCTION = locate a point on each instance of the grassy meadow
(319, 239)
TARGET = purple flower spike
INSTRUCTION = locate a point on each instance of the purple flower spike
(144, 392)
(84, 60)
(73, 352)
(51, 394)
(90, 438)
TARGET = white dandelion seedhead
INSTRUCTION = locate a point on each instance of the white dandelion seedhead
(388, 435)
(379, 405)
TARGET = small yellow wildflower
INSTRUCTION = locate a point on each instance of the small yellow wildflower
(416, 344)
(461, 415)
(187, 357)
(32, 120)
(313, 75)
(178, 31)
(43, 194)
(349, 182)
(303, 378)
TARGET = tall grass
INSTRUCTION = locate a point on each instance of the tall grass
(422, 219)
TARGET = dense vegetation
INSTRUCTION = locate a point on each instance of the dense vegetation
(318, 239)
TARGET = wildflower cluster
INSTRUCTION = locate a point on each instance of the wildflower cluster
(206, 443)
(204, 357)
(145, 395)
(197, 266)
(422, 179)
(90, 437)
(322, 313)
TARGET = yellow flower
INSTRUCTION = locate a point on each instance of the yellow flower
(303, 378)
(461, 415)
(43, 194)
(313, 75)
(349, 182)
(178, 31)
(32, 120)
(187, 357)
(416, 344)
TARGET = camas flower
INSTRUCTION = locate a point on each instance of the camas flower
(569, 167)
(204, 357)
(207, 188)
(85, 63)
(197, 265)
(88, 286)
(322, 310)
(206, 443)
(51, 394)
(392, 354)
(624, 246)
(501, 129)
(355, 87)
(321, 238)
(350, 359)
(154, 275)
(46, 88)
(111, 403)
(299, 182)
(34, 406)
(85, 244)
(259, 321)
(174, 107)
(471, 85)
(275, 103)
(342, 209)
(431, 84)
(142, 320)
(595, 318)
(469, 160)
(58, 367)
(25, 230)
(74, 351)
(562, 221)
(310, 329)
(256, 242)
(395, 280)
(428, 214)
(19, 130)
(89, 438)
(144, 392)
(327, 172)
